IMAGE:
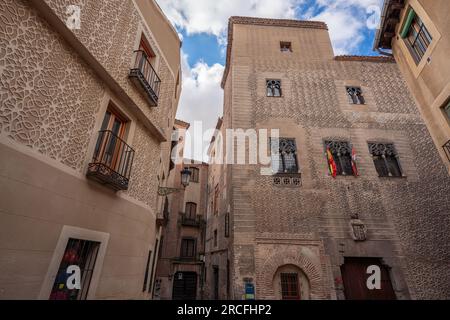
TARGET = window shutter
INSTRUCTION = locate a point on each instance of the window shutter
(408, 21)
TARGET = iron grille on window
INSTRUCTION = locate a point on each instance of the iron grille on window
(145, 77)
(289, 286)
(112, 161)
(385, 159)
(342, 155)
(284, 155)
(355, 95)
(188, 248)
(418, 39)
(273, 88)
(81, 253)
(194, 174)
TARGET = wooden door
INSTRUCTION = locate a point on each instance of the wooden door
(109, 144)
(354, 277)
(185, 286)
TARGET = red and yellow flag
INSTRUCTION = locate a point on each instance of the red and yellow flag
(331, 163)
(354, 169)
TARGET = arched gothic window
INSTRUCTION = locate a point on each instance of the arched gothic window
(355, 95)
(273, 88)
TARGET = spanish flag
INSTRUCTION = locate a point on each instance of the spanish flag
(354, 169)
(331, 164)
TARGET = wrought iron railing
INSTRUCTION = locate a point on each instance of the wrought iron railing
(196, 221)
(112, 161)
(146, 77)
(446, 147)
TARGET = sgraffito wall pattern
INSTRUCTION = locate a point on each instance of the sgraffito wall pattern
(109, 30)
(48, 96)
(406, 218)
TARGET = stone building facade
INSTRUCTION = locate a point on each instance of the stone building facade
(180, 269)
(295, 231)
(218, 253)
(422, 57)
(86, 116)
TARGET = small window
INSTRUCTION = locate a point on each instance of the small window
(195, 174)
(227, 225)
(284, 155)
(188, 248)
(289, 286)
(216, 199)
(273, 88)
(81, 253)
(191, 210)
(416, 36)
(355, 95)
(285, 46)
(385, 159)
(215, 238)
(148, 51)
(446, 110)
(340, 158)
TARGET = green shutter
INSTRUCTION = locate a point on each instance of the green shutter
(407, 25)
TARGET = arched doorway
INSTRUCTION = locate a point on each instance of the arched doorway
(291, 283)
(184, 286)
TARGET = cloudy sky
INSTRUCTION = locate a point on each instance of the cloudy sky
(202, 25)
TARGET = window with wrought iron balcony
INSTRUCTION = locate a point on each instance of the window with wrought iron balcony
(143, 74)
(113, 157)
(189, 221)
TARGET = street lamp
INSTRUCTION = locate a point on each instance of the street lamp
(185, 178)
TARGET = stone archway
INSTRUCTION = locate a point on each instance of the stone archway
(265, 289)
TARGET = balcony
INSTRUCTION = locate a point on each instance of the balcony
(196, 222)
(112, 161)
(446, 147)
(145, 78)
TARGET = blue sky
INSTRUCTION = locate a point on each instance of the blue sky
(202, 25)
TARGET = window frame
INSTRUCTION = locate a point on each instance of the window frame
(183, 249)
(281, 158)
(270, 92)
(338, 157)
(290, 284)
(285, 46)
(195, 174)
(215, 238)
(189, 214)
(381, 159)
(357, 98)
(418, 31)
(446, 110)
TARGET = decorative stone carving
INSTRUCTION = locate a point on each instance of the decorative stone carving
(292, 181)
(358, 229)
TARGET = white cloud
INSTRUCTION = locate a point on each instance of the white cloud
(202, 97)
(346, 21)
(211, 16)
